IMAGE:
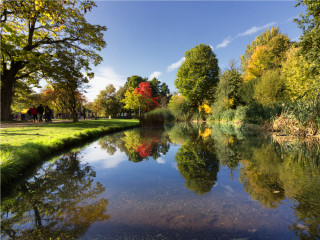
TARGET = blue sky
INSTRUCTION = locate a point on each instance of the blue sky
(149, 38)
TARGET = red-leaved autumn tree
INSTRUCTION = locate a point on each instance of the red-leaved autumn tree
(147, 101)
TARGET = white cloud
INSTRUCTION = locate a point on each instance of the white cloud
(102, 78)
(250, 31)
(292, 18)
(160, 160)
(175, 65)
(255, 29)
(96, 155)
(212, 48)
(224, 43)
(154, 75)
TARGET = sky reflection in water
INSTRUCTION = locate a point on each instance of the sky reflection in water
(178, 182)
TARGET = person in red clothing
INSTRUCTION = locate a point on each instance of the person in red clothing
(34, 113)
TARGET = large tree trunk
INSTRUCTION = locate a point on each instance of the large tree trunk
(8, 79)
(75, 116)
(6, 100)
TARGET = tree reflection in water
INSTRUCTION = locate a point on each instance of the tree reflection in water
(272, 172)
(138, 144)
(198, 164)
(196, 159)
(61, 202)
(259, 178)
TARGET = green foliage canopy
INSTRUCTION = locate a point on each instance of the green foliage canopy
(227, 94)
(107, 101)
(297, 77)
(134, 81)
(197, 77)
(270, 88)
(310, 40)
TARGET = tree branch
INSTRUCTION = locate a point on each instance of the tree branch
(31, 30)
(4, 14)
(49, 41)
(24, 75)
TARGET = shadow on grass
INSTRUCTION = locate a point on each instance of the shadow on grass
(80, 124)
(19, 134)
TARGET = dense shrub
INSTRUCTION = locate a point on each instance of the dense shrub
(241, 113)
(181, 108)
(157, 117)
(256, 113)
(199, 116)
(246, 92)
(270, 88)
(228, 115)
(253, 113)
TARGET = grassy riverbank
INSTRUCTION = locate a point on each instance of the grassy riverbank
(22, 147)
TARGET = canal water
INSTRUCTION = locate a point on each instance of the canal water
(180, 181)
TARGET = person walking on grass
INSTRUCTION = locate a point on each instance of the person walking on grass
(29, 114)
(48, 114)
(40, 111)
(84, 114)
(34, 113)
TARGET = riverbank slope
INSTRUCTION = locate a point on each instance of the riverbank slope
(23, 147)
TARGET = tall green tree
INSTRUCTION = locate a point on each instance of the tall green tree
(155, 87)
(160, 91)
(198, 76)
(227, 94)
(108, 101)
(134, 81)
(67, 78)
(164, 90)
(310, 39)
(164, 95)
(33, 31)
(120, 96)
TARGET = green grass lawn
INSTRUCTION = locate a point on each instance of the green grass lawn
(22, 147)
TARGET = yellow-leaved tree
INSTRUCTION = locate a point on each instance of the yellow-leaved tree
(297, 78)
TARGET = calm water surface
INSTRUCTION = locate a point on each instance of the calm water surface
(177, 182)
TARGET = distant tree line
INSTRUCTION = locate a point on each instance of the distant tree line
(138, 93)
